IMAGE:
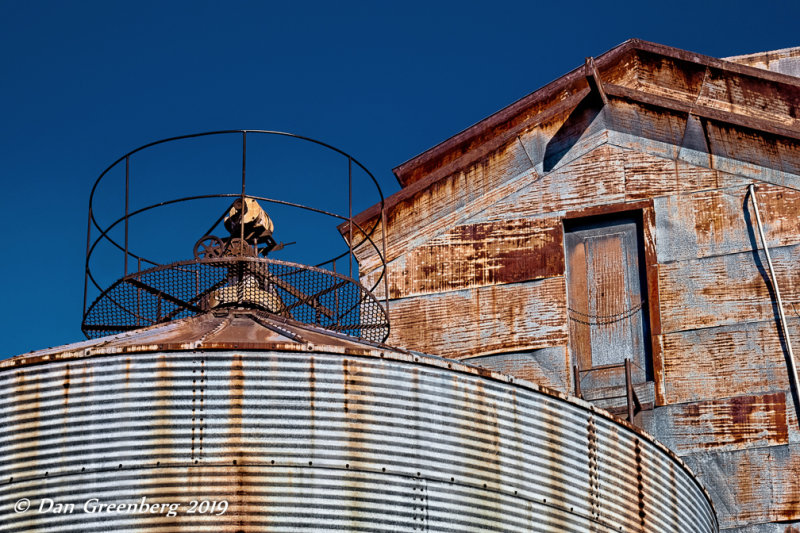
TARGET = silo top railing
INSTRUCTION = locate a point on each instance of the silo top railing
(148, 291)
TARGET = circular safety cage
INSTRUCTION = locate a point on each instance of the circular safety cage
(234, 261)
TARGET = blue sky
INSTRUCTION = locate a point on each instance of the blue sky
(83, 82)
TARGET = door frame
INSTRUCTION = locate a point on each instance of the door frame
(645, 207)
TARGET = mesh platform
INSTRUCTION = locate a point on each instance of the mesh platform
(306, 294)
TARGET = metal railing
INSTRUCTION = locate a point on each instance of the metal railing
(357, 236)
(633, 404)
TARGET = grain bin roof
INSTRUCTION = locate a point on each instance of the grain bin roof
(223, 329)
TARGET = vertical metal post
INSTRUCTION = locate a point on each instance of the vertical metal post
(385, 262)
(350, 209)
(629, 389)
(244, 167)
(86, 273)
(138, 294)
(127, 195)
(336, 295)
(577, 377)
(781, 313)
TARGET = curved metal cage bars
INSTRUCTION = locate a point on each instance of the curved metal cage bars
(179, 290)
(112, 307)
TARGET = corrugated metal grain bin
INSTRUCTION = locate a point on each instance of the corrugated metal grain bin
(177, 428)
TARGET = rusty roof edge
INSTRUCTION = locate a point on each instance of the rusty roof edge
(505, 113)
(380, 352)
(106, 345)
(602, 61)
(421, 184)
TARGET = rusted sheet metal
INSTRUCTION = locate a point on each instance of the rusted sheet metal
(718, 222)
(223, 329)
(726, 424)
(736, 360)
(721, 290)
(750, 153)
(649, 176)
(546, 366)
(784, 527)
(382, 442)
(755, 485)
(785, 61)
(415, 218)
(485, 320)
(746, 94)
(476, 255)
(752, 97)
(595, 178)
(652, 74)
(634, 124)
(668, 76)
(498, 182)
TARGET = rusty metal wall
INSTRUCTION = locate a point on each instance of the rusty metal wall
(298, 441)
(477, 263)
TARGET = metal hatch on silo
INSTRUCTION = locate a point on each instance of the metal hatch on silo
(233, 391)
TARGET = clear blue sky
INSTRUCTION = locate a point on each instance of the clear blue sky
(83, 82)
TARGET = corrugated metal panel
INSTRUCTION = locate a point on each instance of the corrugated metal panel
(298, 441)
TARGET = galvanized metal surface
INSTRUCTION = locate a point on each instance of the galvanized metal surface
(298, 440)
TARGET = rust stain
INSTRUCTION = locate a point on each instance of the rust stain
(240, 470)
(481, 254)
(734, 422)
(483, 320)
(729, 361)
(66, 384)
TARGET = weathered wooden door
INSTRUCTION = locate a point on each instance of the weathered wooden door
(606, 298)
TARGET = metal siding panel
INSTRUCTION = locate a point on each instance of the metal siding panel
(720, 222)
(483, 320)
(450, 201)
(358, 443)
(735, 360)
(546, 366)
(752, 486)
(724, 290)
(483, 254)
(725, 424)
